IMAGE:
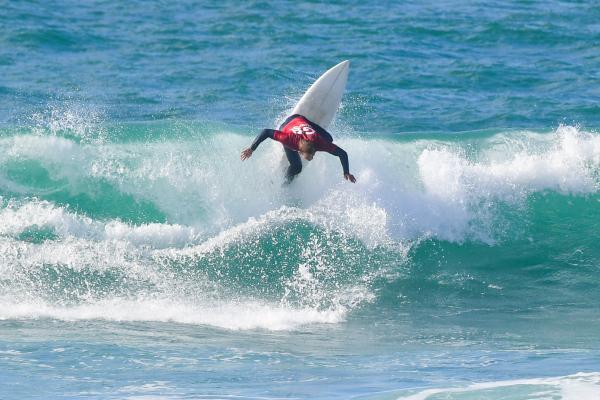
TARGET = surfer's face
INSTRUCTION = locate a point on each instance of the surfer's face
(307, 156)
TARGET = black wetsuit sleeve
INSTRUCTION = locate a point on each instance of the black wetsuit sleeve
(266, 133)
(343, 158)
(322, 132)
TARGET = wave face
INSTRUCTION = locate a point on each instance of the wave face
(97, 224)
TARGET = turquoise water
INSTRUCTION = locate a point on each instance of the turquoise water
(139, 258)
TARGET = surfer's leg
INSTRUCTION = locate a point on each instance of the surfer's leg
(295, 164)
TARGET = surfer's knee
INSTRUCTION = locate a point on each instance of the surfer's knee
(292, 171)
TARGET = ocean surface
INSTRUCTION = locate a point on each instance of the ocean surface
(141, 259)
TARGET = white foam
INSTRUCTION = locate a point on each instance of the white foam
(138, 253)
(241, 315)
(405, 191)
(460, 191)
(567, 167)
(580, 386)
(18, 217)
(408, 189)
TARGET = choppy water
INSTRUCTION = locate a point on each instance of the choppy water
(140, 258)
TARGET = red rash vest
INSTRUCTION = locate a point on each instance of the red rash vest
(300, 128)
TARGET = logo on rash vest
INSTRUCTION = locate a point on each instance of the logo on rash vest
(303, 129)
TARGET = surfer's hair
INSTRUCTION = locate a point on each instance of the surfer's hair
(307, 146)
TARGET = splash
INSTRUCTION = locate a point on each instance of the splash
(180, 230)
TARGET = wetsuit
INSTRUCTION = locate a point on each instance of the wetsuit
(291, 131)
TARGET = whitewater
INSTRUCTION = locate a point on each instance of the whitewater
(218, 235)
(100, 227)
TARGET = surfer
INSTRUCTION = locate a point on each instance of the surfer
(301, 137)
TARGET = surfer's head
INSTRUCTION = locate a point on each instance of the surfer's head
(306, 149)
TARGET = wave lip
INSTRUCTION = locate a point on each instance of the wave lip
(465, 186)
(19, 217)
(433, 186)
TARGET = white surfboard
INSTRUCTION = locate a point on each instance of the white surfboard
(322, 100)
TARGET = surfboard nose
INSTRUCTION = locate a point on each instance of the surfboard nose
(340, 68)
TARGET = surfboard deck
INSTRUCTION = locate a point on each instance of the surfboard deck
(322, 99)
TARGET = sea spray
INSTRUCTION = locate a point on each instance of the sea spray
(208, 239)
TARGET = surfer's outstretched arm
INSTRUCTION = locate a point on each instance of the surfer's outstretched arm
(338, 151)
(266, 133)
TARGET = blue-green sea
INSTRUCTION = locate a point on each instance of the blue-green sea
(141, 259)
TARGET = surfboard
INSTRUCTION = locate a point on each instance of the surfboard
(322, 100)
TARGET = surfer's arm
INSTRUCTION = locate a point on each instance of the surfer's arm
(338, 151)
(266, 133)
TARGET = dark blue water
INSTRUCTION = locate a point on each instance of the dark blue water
(139, 257)
(448, 66)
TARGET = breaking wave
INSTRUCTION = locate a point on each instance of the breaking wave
(95, 225)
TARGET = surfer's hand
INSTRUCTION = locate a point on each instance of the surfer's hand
(350, 177)
(246, 154)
